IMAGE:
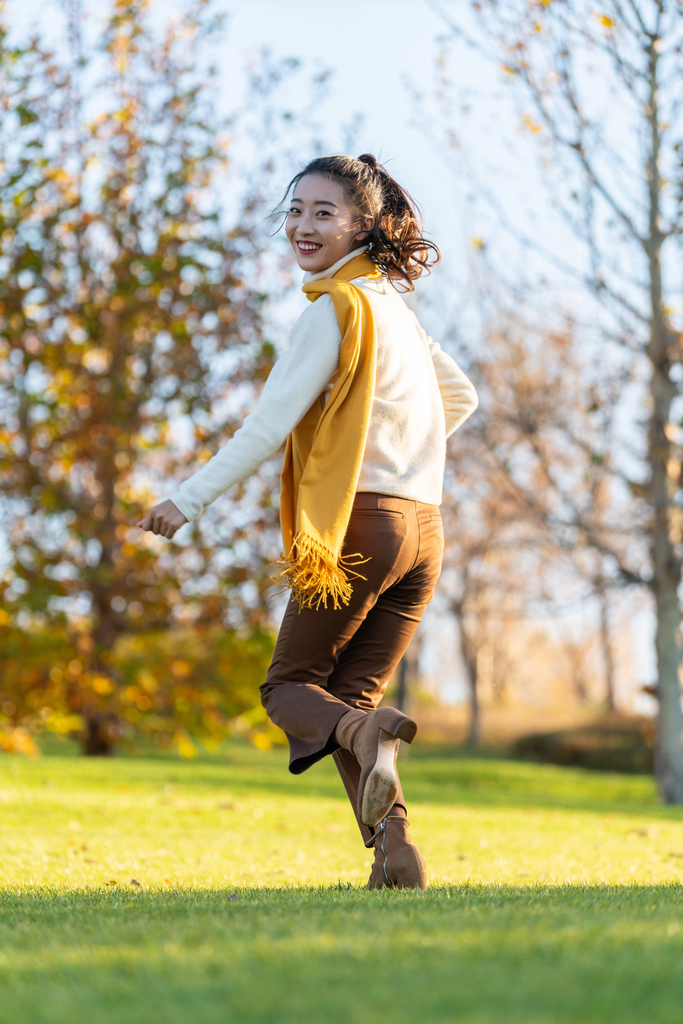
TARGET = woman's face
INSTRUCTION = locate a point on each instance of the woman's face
(321, 225)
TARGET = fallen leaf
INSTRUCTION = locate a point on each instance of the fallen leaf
(134, 881)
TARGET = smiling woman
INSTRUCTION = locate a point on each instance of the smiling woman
(365, 401)
(338, 202)
(322, 225)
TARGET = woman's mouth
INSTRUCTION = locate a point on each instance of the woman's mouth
(308, 247)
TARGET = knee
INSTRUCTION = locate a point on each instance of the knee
(268, 687)
(265, 689)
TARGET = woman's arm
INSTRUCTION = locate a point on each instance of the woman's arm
(294, 384)
(457, 392)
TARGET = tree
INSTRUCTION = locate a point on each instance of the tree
(477, 578)
(621, 193)
(126, 308)
(539, 518)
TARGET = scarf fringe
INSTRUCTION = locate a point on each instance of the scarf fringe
(315, 574)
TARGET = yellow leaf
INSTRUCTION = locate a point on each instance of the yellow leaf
(147, 680)
(63, 724)
(604, 20)
(531, 125)
(186, 747)
(103, 684)
(261, 741)
(477, 242)
(16, 740)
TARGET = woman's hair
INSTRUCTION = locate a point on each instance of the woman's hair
(396, 242)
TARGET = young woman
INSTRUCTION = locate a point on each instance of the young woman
(365, 401)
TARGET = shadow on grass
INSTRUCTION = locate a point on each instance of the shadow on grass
(443, 777)
(35, 903)
(475, 954)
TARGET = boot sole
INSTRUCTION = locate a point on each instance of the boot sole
(381, 786)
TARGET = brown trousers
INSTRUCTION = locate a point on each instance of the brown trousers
(328, 660)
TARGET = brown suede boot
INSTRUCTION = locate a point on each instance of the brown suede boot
(373, 737)
(398, 862)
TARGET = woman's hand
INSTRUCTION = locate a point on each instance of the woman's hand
(164, 519)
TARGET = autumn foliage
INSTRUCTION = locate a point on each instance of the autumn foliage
(127, 326)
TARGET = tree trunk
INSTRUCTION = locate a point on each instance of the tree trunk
(666, 565)
(606, 648)
(102, 727)
(100, 735)
(408, 672)
(469, 654)
(469, 660)
(402, 688)
(669, 752)
(474, 733)
(666, 577)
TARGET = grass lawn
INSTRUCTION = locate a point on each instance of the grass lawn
(555, 896)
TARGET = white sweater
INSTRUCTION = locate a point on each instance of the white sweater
(421, 397)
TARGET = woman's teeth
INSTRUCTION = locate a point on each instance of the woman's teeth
(308, 246)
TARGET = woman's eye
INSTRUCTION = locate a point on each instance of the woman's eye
(324, 213)
(294, 209)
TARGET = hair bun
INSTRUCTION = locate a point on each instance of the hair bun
(370, 160)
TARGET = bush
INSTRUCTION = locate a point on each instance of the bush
(616, 743)
(175, 686)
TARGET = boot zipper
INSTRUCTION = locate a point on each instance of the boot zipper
(383, 830)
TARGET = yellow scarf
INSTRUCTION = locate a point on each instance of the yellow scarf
(325, 450)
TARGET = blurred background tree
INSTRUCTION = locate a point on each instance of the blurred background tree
(599, 87)
(132, 340)
(539, 516)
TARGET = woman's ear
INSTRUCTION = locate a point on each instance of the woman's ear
(366, 226)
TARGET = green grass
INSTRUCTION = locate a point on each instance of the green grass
(556, 896)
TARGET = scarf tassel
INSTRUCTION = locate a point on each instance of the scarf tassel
(316, 574)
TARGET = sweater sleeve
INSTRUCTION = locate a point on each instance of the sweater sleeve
(458, 395)
(294, 383)
(457, 391)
